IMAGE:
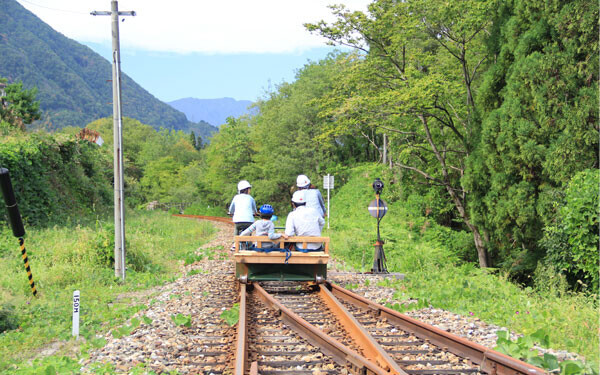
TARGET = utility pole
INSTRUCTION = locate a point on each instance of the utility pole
(118, 137)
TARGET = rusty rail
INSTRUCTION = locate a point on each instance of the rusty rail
(241, 353)
(491, 361)
(212, 218)
(329, 345)
(371, 349)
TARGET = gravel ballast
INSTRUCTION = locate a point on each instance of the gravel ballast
(162, 346)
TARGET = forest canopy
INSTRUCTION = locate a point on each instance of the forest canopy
(486, 109)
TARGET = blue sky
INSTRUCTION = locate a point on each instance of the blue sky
(170, 76)
(201, 49)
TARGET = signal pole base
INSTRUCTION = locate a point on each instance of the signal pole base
(379, 259)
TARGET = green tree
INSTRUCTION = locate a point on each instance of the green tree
(415, 78)
(289, 134)
(224, 158)
(148, 154)
(196, 141)
(287, 137)
(160, 178)
(541, 121)
(19, 107)
(572, 241)
(199, 143)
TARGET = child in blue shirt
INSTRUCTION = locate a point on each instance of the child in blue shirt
(264, 227)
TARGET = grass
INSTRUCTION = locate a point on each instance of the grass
(64, 259)
(431, 257)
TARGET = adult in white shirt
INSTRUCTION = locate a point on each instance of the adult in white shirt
(313, 196)
(304, 221)
(242, 207)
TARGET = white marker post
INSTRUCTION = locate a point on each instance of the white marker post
(76, 306)
(328, 184)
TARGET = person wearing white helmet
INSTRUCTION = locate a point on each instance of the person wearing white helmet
(314, 198)
(243, 207)
(304, 221)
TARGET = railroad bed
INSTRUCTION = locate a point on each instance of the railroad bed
(348, 334)
(284, 334)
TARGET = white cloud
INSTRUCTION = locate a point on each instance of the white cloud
(225, 26)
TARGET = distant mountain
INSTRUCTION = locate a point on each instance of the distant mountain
(74, 83)
(213, 111)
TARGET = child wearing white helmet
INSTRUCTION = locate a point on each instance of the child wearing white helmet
(243, 207)
(313, 196)
(304, 221)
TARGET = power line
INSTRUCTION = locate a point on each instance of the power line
(54, 9)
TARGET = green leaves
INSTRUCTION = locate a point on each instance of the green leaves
(570, 367)
(539, 126)
(126, 330)
(231, 316)
(182, 320)
(19, 107)
(571, 242)
(541, 337)
(56, 177)
(97, 342)
(523, 349)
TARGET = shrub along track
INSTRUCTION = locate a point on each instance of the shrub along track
(277, 344)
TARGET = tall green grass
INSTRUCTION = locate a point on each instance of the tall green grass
(432, 257)
(64, 259)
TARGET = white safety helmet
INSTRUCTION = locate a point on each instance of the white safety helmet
(302, 181)
(299, 197)
(243, 185)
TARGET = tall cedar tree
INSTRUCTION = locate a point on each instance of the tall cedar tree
(541, 121)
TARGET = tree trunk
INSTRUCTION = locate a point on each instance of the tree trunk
(479, 244)
(458, 203)
(384, 149)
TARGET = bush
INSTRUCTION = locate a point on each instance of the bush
(459, 243)
(8, 318)
(103, 250)
(572, 242)
(548, 281)
(56, 178)
(103, 244)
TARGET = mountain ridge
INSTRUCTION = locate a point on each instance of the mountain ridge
(214, 111)
(73, 81)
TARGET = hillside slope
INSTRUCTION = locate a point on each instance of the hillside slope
(73, 81)
(213, 111)
(440, 266)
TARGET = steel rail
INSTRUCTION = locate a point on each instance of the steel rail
(490, 361)
(212, 218)
(241, 353)
(356, 363)
(371, 349)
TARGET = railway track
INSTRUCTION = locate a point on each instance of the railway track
(291, 327)
(307, 328)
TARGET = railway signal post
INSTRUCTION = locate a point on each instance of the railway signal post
(328, 184)
(118, 137)
(378, 209)
(16, 223)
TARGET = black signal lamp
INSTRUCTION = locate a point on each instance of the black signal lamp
(377, 186)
